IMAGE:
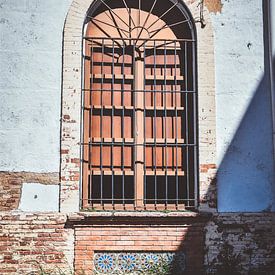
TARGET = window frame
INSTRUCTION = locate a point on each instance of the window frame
(139, 177)
(71, 131)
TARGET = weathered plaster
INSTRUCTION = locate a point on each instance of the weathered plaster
(244, 137)
(30, 84)
(11, 186)
(39, 197)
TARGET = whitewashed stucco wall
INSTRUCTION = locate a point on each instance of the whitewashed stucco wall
(30, 83)
(244, 125)
(30, 91)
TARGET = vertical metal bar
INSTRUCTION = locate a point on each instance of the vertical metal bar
(112, 120)
(123, 117)
(186, 122)
(90, 122)
(194, 94)
(101, 123)
(139, 9)
(165, 124)
(155, 129)
(176, 124)
(144, 127)
(134, 123)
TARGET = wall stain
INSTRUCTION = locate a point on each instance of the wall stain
(214, 6)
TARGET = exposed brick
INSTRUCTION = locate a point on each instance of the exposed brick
(136, 238)
(213, 5)
(21, 246)
(256, 248)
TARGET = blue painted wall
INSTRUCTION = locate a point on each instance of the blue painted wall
(244, 124)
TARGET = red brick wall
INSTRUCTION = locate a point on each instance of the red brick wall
(26, 238)
(183, 234)
(49, 238)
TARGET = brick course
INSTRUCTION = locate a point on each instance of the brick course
(184, 235)
(29, 241)
(49, 239)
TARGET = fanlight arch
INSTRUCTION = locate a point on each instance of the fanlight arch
(139, 106)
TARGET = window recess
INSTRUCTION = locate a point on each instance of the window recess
(139, 117)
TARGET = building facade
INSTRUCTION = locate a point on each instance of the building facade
(137, 137)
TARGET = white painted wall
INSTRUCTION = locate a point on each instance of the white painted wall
(30, 83)
(244, 129)
(39, 197)
(30, 87)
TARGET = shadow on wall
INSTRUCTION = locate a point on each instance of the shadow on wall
(243, 242)
(246, 173)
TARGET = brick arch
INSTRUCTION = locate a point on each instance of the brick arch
(71, 105)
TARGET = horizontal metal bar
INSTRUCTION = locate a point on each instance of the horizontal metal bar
(134, 39)
(142, 144)
(127, 91)
(130, 199)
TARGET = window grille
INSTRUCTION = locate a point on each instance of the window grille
(139, 113)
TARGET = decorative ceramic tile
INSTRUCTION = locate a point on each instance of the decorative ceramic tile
(106, 263)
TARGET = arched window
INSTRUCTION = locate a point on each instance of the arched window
(139, 106)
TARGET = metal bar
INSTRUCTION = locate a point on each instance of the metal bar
(130, 26)
(195, 126)
(165, 128)
(130, 17)
(144, 127)
(186, 122)
(176, 128)
(139, 10)
(111, 10)
(118, 29)
(143, 26)
(122, 124)
(160, 17)
(147, 91)
(90, 124)
(134, 124)
(106, 34)
(140, 144)
(158, 20)
(105, 23)
(112, 126)
(165, 26)
(142, 39)
(101, 122)
(155, 129)
(107, 199)
(83, 167)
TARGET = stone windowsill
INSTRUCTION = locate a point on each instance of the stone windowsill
(133, 216)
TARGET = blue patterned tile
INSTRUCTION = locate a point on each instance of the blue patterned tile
(107, 263)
